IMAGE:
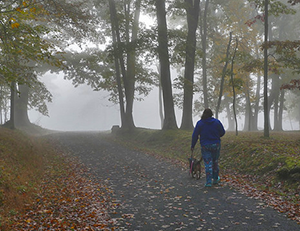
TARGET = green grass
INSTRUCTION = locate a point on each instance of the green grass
(250, 153)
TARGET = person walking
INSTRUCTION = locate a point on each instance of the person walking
(210, 131)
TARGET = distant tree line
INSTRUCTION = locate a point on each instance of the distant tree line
(217, 49)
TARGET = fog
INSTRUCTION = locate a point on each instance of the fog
(75, 108)
(82, 109)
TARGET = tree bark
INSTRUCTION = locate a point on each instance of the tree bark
(299, 115)
(273, 98)
(230, 120)
(256, 107)
(276, 112)
(131, 66)
(160, 101)
(192, 9)
(114, 27)
(21, 107)
(248, 112)
(129, 75)
(12, 105)
(223, 76)
(165, 75)
(281, 108)
(266, 111)
(277, 93)
(233, 88)
(257, 96)
(204, 43)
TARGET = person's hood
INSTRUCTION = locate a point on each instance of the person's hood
(209, 120)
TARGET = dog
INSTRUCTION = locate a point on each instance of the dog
(195, 167)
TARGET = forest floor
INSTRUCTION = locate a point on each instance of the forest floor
(93, 182)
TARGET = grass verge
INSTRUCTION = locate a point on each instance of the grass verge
(43, 187)
(23, 163)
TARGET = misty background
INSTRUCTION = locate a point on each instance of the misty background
(82, 109)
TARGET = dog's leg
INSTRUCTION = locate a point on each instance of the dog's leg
(193, 168)
(198, 174)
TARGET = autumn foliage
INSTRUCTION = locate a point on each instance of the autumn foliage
(293, 2)
(294, 84)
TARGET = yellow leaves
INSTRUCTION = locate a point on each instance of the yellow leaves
(128, 215)
(33, 9)
(12, 20)
(29, 220)
(26, 10)
(15, 25)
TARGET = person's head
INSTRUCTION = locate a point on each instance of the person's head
(207, 113)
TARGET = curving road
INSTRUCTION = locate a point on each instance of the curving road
(156, 195)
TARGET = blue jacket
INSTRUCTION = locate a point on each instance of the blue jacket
(210, 131)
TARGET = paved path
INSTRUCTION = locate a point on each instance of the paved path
(156, 195)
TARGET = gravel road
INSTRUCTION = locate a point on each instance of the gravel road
(157, 195)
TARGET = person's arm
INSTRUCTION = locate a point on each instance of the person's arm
(195, 136)
(221, 129)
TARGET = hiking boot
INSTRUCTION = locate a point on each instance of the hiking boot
(216, 181)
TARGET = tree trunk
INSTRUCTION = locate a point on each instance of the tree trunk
(204, 42)
(160, 102)
(131, 68)
(223, 76)
(21, 107)
(256, 107)
(248, 112)
(129, 81)
(280, 113)
(1, 119)
(1, 103)
(192, 8)
(299, 115)
(254, 126)
(276, 112)
(266, 111)
(119, 54)
(165, 75)
(12, 105)
(230, 120)
(273, 98)
(114, 27)
(233, 88)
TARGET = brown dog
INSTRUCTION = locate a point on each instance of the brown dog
(195, 167)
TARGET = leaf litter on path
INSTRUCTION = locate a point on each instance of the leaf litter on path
(245, 185)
